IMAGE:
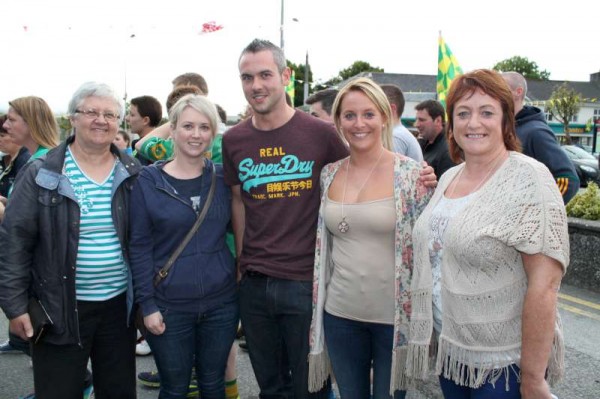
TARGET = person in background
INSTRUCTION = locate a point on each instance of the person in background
(191, 79)
(430, 124)
(63, 241)
(405, 142)
(31, 124)
(321, 103)
(123, 141)
(369, 204)
(192, 315)
(14, 158)
(145, 115)
(538, 140)
(490, 251)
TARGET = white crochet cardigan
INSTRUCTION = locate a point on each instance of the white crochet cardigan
(518, 210)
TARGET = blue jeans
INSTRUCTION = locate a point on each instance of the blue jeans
(487, 391)
(203, 340)
(354, 347)
(276, 316)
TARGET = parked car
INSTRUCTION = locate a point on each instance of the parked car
(585, 163)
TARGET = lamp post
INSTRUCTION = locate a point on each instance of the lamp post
(281, 28)
(306, 71)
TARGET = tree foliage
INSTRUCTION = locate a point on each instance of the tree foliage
(299, 82)
(346, 73)
(564, 105)
(529, 69)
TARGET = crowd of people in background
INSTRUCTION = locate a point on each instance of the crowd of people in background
(325, 233)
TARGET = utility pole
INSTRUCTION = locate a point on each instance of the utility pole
(281, 28)
(306, 78)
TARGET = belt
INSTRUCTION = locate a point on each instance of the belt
(255, 274)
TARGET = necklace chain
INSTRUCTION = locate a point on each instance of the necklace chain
(343, 226)
(489, 172)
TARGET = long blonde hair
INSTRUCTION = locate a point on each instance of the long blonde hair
(38, 116)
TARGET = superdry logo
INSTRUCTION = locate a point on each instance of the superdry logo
(288, 168)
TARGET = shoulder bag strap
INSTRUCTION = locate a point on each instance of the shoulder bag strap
(162, 273)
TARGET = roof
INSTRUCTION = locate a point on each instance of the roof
(538, 90)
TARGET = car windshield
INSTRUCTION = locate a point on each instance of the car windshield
(578, 153)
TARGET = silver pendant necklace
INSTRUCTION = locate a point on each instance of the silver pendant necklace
(343, 226)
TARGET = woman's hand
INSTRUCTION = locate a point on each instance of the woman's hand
(154, 323)
(427, 176)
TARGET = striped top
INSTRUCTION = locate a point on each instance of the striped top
(101, 271)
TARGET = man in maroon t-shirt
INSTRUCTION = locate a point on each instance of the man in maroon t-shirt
(273, 162)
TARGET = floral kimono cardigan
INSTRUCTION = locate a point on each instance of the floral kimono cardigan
(411, 197)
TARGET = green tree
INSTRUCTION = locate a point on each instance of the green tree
(529, 69)
(64, 125)
(564, 105)
(347, 73)
(299, 82)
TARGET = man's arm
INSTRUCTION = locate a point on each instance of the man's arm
(162, 132)
(543, 147)
(538, 320)
(238, 222)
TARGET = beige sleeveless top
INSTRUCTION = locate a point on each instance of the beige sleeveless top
(362, 284)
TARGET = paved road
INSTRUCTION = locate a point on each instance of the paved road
(580, 312)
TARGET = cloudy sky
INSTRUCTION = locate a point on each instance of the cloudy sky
(51, 47)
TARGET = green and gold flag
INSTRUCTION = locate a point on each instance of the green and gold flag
(448, 69)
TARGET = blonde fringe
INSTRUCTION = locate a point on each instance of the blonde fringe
(319, 369)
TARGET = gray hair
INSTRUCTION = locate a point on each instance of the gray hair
(94, 89)
(258, 45)
(198, 103)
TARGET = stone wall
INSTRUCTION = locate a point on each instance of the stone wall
(584, 269)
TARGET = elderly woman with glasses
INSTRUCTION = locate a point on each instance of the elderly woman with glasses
(64, 239)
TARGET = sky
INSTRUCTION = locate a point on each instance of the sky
(138, 47)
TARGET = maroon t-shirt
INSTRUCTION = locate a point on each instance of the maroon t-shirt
(279, 172)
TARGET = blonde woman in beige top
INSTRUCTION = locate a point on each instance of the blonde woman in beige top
(504, 254)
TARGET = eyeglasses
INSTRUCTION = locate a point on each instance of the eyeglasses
(93, 114)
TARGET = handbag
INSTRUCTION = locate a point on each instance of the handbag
(164, 271)
(40, 320)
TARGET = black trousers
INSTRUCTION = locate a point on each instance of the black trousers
(59, 370)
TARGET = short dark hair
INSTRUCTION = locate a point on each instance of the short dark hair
(325, 97)
(191, 79)
(395, 96)
(150, 107)
(434, 109)
(258, 45)
(179, 92)
(222, 113)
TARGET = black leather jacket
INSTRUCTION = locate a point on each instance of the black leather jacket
(39, 240)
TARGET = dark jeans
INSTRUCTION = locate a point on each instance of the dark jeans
(487, 391)
(59, 370)
(355, 346)
(276, 316)
(203, 340)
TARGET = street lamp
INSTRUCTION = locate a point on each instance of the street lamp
(306, 78)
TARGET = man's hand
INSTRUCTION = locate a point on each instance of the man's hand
(154, 323)
(21, 326)
(428, 176)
